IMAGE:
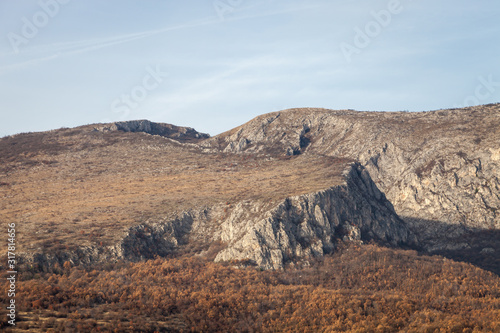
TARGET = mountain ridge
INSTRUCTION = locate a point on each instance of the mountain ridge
(438, 170)
(410, 155)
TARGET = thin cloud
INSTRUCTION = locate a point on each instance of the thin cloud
(270, 13)
(78, 47)
(72, 48)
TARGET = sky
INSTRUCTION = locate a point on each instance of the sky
(215, 64)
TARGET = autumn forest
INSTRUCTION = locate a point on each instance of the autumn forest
(359, 289)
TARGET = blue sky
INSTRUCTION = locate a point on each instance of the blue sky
(215, 64)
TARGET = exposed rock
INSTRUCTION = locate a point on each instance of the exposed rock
(440, 169)
(487, 250)
(352, 233)
(310, 225)
(429, 180)
(269, 234)
(182, 134)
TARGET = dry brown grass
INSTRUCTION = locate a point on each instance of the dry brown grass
(74, 187)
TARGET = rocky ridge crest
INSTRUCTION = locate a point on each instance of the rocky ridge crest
(439, 169)
(428, 180)
(182, 134)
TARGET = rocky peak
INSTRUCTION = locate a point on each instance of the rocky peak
(182, 134)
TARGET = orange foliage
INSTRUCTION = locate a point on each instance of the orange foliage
(363, 289)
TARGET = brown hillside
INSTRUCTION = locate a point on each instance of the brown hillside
(73, 187)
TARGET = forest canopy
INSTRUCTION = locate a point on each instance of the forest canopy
(359, 289)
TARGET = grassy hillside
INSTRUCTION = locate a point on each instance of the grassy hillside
(74, 187)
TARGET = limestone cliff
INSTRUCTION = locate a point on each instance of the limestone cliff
(439, 169)
(183, 134)
(270, 191)
(267, 234)
(306, 226)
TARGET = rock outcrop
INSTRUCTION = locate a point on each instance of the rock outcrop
(310, 225)
(182, 134)
(439, 169)
(423, 179)
(267, 234)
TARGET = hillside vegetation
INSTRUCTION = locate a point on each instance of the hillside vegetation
(359, 289)
(74, 187)
(302, 220)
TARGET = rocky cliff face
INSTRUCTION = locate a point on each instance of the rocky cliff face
(266, 234)
(439, 169)
(428, 180)
(182, 134)
(306, 226)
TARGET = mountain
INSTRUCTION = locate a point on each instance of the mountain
(439, 169)
(281, 189)
(299, 220)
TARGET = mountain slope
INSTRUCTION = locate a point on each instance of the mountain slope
(439, 168)
(121, 191)
(283, 188)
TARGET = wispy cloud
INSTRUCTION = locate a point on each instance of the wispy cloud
(291, 9)
(241, 82)
(57, 50)
(77, 47)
